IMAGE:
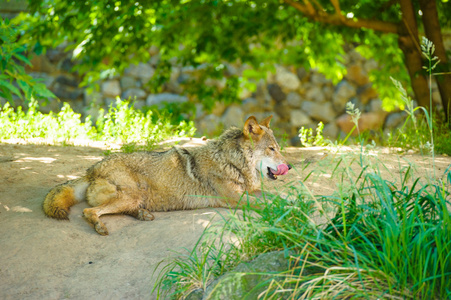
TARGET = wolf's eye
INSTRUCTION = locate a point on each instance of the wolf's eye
(272, 149)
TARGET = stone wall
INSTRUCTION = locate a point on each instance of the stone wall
(294, 96)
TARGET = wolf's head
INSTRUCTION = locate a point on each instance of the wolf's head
(269, 160)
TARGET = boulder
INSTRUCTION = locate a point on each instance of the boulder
(208, 125)
(128, 82)
(315, 94)
(343, 93)
(294, 99)
(111, 88)
(286, 79)
(357, 75)
(160, 99)
(394, 120)
(276, 92)
(142, 71)
(330, 130)
(233, 116)
(245, 281)
(367, 121)
(134, 93)
(319, 111)
(299, 118)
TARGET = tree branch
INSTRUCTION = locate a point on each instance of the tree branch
(335, 19)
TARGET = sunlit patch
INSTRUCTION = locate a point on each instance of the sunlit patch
(202, 222)
(90, 157)
(67, 177)
(46, 160)
(20, 209)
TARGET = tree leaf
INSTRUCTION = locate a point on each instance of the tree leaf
(10, 87)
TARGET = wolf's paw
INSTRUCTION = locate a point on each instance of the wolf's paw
(101, 228)
(143, 214)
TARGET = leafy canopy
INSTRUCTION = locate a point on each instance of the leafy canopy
(108, 35)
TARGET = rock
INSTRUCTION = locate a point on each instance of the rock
(250, 105)
(319, 111)
(93, 98)
(328, 91)
(195, 295)
(345, 123)
(219, 109)
(294, 99)
(366, 93)
(283, 110)
(111, 88)
(298, 118)
(367, 121)
(262, 94)
(139, 104)
(330, 130)
(41, 64)
(375, 105)
(159, 99)
(243, 282)
(394, 120)
(343, 93)
(354, 56)
(134, 93)
(43, 77)
(128, 82)
(276, 92)
(52, 105)
(370, 65)
(357, 75)
(286, 79)
(66, 93)
(66, 80)
(301, 73)
(318, 79)
(66, 65)
(208, 125)
(315, 94)
(233, 116)
(142, 71)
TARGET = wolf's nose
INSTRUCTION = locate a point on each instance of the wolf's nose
(289, 166)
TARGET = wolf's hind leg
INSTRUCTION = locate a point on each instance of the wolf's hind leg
(121, 205)
(142, 214)
(108, 199)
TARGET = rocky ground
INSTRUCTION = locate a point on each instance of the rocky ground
(41, 258)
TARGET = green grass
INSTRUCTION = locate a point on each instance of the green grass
(379, 239)
(136, 129)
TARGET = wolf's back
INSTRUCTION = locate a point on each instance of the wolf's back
(59, 200)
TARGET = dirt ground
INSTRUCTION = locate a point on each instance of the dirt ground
(41, 258)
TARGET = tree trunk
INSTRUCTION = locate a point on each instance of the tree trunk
(409, 44)
(433, 33)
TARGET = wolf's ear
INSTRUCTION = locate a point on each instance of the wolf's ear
(266, 121)
(252, 129)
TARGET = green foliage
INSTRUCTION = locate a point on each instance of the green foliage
(382, 241)
(107, 36)
(122, 123)
(308, 139)
(13, 78)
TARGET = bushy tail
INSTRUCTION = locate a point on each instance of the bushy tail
(58, 201)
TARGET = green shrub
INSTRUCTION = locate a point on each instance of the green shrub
(122, 123)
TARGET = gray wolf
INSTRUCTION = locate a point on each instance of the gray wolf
(216, 174)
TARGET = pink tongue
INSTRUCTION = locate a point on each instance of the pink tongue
(282, 169)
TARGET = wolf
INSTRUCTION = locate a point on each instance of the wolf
(216, 174)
